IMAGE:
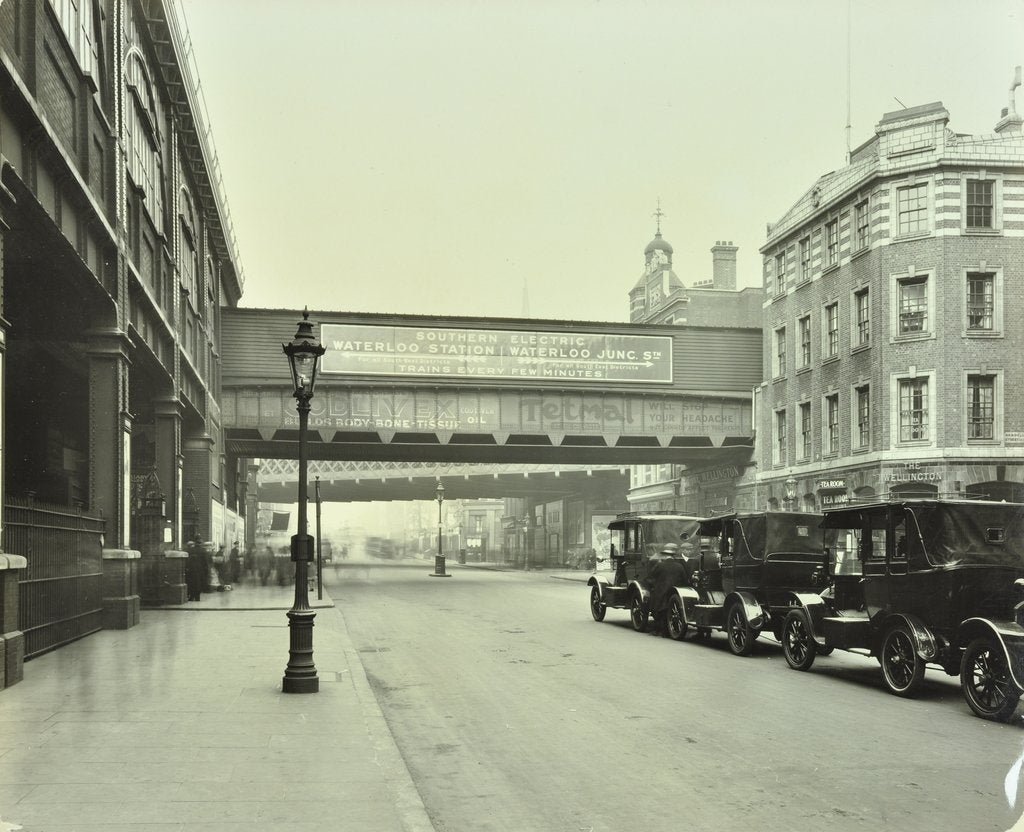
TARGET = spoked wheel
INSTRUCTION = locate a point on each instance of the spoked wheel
(798, 644)
(902, 668)
(985, 681)
(597, 607)
(741, 634)
(638, 613)
(676, 624)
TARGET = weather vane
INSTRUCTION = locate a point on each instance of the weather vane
(658, 215)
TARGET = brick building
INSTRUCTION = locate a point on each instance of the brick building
(659, 296)
(117, 257)
(892, 339)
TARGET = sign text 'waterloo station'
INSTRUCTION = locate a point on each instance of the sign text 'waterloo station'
(502, 354)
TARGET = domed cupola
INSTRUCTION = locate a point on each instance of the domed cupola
(658, 253)
(658, 244)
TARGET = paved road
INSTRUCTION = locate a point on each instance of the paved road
(515, 711)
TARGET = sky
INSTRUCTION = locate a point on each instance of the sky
(439, 156)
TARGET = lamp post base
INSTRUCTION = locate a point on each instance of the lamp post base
(439, 568)
(302, 685)
(300, 674)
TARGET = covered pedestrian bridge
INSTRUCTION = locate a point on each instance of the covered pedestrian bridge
(503, 391)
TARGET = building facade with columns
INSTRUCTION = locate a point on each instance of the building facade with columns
(892, 339)
(659, 296)
(117, 256)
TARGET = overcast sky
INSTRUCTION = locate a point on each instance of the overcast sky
(432, 156)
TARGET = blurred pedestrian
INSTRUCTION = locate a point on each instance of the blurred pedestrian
(265, 564)
(282, 565)
(234, 565)
(220, 566)
(249, 561)
(194, 570)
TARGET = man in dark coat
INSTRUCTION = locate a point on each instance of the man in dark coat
(668, 569)
(195, 568)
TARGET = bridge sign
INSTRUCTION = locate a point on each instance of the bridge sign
(356, 349)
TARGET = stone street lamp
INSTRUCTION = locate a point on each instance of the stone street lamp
(791, 493)
(303, 353)
(439, 558)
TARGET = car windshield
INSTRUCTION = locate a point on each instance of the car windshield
(661, 532)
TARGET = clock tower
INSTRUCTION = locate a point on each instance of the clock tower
(658, 283)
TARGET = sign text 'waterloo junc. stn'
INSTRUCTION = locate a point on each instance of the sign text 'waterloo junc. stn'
(356, 349)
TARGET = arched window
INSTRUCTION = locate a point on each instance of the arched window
(142, 127)
(914, 489)
(1012, 492)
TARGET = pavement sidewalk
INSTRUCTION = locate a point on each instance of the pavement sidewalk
(180, 724)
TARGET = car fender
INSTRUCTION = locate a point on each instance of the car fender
(925, 643)
(815, 607)
(1010, 637)
(751, 608)
(645, 595)
(689, 596)
(599, 582)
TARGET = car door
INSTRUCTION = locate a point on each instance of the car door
(873, 553)
(727, 551)
(633, 551)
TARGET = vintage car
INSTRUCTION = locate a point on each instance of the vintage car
(748, 579)
(646, 547)
(921, 582)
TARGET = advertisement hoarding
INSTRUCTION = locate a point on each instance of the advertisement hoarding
(357, 349)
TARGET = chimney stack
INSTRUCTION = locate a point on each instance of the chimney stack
(1011, 121)
(723, 268)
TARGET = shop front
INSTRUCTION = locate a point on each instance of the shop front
(710, 491)
(905, 478)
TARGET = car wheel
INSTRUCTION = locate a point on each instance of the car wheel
(985, 681)
(741, 634)
(902, 668)
(676, 624)
(597, 607)
(638, 613)
(798, 644)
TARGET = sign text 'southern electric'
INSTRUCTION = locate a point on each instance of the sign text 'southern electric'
(357, 349)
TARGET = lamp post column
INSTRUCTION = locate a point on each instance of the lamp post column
(439, 558)
(300, 674)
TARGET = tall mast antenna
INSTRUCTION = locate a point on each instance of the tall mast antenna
(849, 16)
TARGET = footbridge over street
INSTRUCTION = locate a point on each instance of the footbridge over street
(401, 388)
(354, 482)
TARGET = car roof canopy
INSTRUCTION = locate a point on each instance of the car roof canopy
(952, 532)
(762, 533)
(981, 533)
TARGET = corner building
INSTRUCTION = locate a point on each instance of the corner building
(893, 345)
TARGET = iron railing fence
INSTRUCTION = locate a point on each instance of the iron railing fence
(61, 591)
